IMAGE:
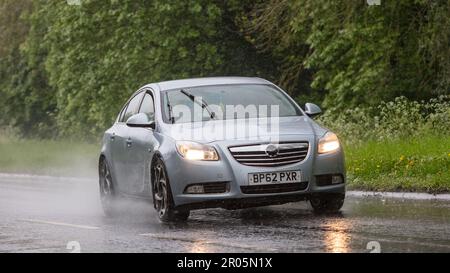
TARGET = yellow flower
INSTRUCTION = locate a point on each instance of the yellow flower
(402, 158)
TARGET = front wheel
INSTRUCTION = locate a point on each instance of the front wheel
(107, 193)
(327, 203)
(162, 195)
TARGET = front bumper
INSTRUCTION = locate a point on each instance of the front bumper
(183, 173)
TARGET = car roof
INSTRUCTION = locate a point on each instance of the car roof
(194, 82)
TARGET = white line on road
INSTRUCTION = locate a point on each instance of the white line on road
(204, 242)
(46, 177)
(60, 224)
(400, 195)
(166, 237)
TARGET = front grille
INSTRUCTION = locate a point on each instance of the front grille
(274, 188)
(263, 155)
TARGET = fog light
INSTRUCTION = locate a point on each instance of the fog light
(336, 179)
(195, 189)
(329, 179)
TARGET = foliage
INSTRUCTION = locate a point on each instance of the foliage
(357, 54)
(28, 103)
(102, 51)
(65, 70)
(397, 119)
(401, 145)
(27, 100)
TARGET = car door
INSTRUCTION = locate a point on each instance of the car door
(141, 149)
(121, 145)
(116, 137)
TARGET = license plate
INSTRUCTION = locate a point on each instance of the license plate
(274, 177)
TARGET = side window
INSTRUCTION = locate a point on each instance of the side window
(133, 107)
(147, 106)
(122, 113)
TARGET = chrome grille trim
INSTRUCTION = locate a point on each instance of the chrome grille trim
(255, 155)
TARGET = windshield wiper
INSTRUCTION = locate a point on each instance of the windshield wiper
(203, 103)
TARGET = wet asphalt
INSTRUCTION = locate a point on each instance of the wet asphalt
(45, 214)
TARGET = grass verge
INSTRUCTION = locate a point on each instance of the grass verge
(47, 157)
(419, 164)
(415, 164)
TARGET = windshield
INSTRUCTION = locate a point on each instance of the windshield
(223, 102)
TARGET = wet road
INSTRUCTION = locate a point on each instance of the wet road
(44, 214)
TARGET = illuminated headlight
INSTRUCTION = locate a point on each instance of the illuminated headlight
(196, 151)
(328, 143)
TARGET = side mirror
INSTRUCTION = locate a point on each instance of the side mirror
(312, 110)
(140, 120)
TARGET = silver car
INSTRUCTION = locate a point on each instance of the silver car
(229, 142)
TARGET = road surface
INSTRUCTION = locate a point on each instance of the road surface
(45, 214)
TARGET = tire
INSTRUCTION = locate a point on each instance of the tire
(162, 195)
(327, 203)
(108, 197)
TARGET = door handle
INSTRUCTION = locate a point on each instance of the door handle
(129, 142)
(112, 137)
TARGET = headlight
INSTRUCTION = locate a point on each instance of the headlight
(328, 143)
(197, 151)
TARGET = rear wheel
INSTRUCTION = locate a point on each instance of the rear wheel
(162, 195)
(107, 194)
(327, 203)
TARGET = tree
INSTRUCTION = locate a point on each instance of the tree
(27, 102)
(102, 51)
(357, 54)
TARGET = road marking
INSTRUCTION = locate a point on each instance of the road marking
(60, 224)
(400, 195)
(174, 238)
(46, 177)
(424, 243)
(205, 242)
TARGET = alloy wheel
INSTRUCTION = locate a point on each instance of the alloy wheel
(160, 190)
(106, 186)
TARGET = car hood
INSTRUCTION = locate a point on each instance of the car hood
(243, 129)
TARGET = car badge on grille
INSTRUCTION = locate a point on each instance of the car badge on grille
(272, 150)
